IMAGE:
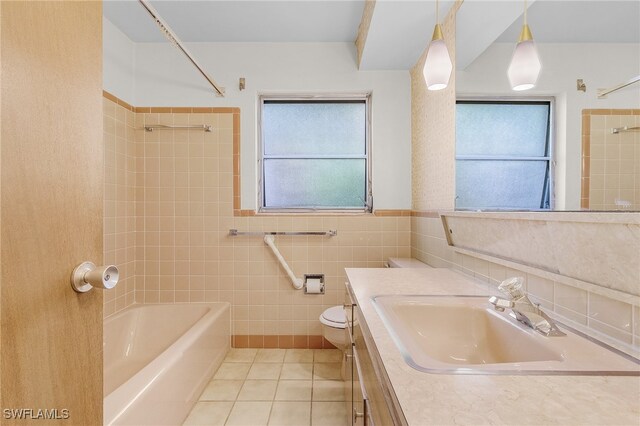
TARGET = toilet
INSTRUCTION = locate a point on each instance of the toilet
(333, 322)
(333, 319)
(334, 329)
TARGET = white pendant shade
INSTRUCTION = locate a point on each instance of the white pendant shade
(525, 65)
(437, 67)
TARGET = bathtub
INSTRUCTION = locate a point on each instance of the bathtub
(159, 358)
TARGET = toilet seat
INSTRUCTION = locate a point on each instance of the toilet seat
(334, 317)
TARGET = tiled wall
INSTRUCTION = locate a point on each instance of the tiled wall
(184, 207)
(610, 162)
(119, 202)
(433, 132)
(606, 313)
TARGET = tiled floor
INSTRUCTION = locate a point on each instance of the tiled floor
(274, 387)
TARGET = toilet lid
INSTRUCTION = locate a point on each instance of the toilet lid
(334, 317)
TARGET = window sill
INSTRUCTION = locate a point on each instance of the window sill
(302, 212)
(377, 213)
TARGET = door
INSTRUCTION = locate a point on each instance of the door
(51, 210)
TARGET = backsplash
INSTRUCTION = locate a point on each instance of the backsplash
(612, 315)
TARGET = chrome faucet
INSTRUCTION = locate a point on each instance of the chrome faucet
(523, 309)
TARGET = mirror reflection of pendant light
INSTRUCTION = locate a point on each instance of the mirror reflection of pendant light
(525, 65)
(437, 66)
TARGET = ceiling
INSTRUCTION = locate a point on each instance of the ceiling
(399, 30)
(240, 21)
(580, 22)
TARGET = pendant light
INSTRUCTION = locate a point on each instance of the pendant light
(525, 65)
(437, 67)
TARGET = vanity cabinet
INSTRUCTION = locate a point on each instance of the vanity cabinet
(367, 392)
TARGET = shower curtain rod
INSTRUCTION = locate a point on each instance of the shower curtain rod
(173, 39)
(602, 93)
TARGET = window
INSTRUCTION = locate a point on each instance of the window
(503, 158)
(315, 153)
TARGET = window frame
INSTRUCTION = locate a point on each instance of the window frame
(549, 148)
(310, 97)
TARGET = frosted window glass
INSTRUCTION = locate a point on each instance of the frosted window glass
(309, 183)
(500, 184)
(501, 129)
(318, 128)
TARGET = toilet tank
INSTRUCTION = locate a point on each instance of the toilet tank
(406, 262)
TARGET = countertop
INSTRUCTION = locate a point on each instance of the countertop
(450, 399)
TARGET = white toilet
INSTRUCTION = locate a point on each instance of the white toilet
(334, 320)
(333, 326)
(334, 329)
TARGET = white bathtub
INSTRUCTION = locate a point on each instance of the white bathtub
(158, 359)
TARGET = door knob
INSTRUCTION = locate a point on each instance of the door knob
(87, 275)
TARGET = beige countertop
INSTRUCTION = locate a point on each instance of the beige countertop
(450, 399)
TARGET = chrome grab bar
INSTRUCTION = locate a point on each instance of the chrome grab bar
(236, 233)
(152, 127)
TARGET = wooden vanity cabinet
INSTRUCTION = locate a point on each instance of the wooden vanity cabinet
(368, 402)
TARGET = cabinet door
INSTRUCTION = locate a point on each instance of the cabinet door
(359, 410)
(349, 374)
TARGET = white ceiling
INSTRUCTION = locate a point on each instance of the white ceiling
(399, 30)
(580, 22)
(240, 21)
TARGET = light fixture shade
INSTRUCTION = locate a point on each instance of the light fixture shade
(525, 64)
(437, 67)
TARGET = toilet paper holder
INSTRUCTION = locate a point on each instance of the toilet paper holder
(313, 284)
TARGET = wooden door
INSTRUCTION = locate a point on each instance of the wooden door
(51, 210)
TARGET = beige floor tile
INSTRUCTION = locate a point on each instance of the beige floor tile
(249, 413)
(258, 390)
(327, 371)
(232, 371)
(290, 413)
(328, 390)
(299, 355)
(209, 413)
(264, 371)
(221, 390)
(241, 355)
(294, 390)
(270, 355)
(328, 413)
(297, 371)
(327, 355)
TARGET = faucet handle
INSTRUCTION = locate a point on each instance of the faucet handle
(500, 304)
(513, 287)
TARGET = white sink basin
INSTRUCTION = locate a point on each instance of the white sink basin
(466, 335)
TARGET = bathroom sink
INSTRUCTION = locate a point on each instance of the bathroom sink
(464, 334)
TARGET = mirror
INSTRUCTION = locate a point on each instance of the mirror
(583, 46)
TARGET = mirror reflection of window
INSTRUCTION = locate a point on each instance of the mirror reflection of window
(503, 154)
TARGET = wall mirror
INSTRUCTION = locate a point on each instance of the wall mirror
(557, 146)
